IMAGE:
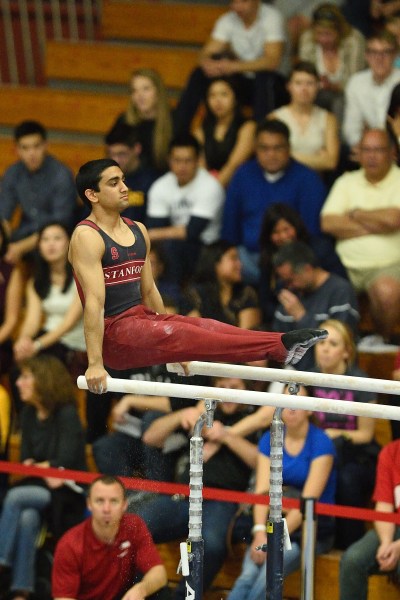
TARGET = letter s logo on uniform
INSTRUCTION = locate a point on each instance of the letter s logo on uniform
(114, 253)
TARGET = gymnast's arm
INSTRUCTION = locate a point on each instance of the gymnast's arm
(86, 251)
(150, 295)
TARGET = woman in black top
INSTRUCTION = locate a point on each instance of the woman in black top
(226, 136)
(217, 291)
(51, 436)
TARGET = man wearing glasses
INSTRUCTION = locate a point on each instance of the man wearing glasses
(367, 93)
(362, 212)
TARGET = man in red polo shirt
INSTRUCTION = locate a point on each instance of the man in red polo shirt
(102, 557)
(378, 551)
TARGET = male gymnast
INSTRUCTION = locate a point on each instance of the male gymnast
(125, 321)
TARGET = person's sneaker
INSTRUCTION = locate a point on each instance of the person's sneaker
(298, 342)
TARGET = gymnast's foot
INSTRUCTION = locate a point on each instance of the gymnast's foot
(298, 342)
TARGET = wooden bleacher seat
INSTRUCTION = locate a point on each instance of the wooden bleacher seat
(158, 21)
(106, 63)
(326, 576)
(61, 110)
(73, 154)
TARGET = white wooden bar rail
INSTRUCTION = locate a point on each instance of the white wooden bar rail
(150, 388)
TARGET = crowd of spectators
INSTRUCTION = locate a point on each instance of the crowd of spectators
(278, 209)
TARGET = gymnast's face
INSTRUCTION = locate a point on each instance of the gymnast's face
(112, 193)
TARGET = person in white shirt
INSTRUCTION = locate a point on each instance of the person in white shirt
(249, 41)
(184, 208)
(367, 93)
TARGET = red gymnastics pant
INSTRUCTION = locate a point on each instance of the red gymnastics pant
(140, 337)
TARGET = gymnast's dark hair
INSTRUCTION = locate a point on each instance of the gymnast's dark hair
(89, 175)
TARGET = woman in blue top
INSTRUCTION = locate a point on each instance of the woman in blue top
(308, 468)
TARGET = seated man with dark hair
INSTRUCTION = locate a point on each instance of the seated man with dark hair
(123, 146)
(38, 185)
(102, 557)
(309, 294)
(185, 206)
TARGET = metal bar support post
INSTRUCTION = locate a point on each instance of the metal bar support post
(192, 552)
(308, 548)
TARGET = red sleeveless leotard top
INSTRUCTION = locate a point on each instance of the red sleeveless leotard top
(122, 267)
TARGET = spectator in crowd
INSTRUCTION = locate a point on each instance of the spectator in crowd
(51, 436)
(12, 283)
(53, 314)
(249, 42)
(362, 212)
(39, 186)
(103, 556)
(308, 471)
(123, 146)
(272, 176)
(337, 50)
(393, 114)
(149, 112)
(185, 206)
(308, 294)
(314, 138)
(378, 552)
(226, 137)
(395, 400)
(5, 431)
(298, 15)
(384, 9)
(228, 461)
(367, 93)
(353, 437)
(281, 225)
(170, 292)
(217, 291)
(392, 24)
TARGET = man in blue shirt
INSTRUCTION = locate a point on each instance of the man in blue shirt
(39, 186)
(272, 176)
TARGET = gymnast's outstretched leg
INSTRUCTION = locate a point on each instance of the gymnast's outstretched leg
(140, 337)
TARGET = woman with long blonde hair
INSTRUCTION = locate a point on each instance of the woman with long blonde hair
(149, 112)
(353, 436)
